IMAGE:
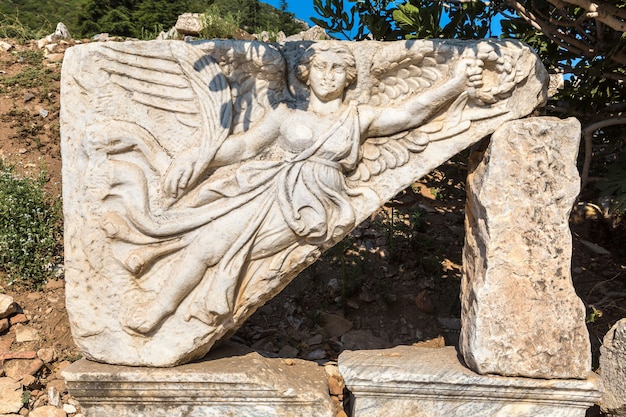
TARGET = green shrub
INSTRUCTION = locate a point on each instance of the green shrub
(218, 25)
(30, 229)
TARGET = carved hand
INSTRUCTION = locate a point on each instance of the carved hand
(182, 171)
(471, 69)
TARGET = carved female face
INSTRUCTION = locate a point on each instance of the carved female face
(328, 75)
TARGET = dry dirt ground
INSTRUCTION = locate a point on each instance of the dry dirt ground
(394, 280)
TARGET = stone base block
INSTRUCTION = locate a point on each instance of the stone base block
(230, 382)
(408, 381)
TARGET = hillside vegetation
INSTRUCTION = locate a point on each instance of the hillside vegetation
(136, 18)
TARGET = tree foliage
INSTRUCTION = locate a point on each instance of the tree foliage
(583, 40)
(135, 18)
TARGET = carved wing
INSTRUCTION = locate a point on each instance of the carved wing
(256, 73)
(399, 72)
(170, 89)
(403, 70)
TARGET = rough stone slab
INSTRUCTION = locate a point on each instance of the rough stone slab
(613, 370)
(408, 381)
(520, 313)
(232, 381)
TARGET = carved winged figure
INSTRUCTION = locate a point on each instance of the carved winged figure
(217, 176)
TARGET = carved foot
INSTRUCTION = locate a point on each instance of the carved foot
(145, 317)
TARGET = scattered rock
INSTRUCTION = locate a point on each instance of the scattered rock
(61, 32)
(316, 354)
(18, 368)
(28, 380)
(315, 340)
(46, 354)
(424, 303)
(47, 411)
(26, 334)
(5, 46)
(189, 24)
(28, 97)
(10, 396)
(58, 57)
(69, 408)
(4, 325)
(336, 385)
(363, 339)
(316, 33)
(288, 351)
(58, 385)
(54, 398)
(335, 325)
(18, 319)
(7, 306)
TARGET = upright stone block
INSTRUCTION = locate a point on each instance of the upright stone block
(520, 314)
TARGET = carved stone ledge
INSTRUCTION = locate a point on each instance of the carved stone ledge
(408, 381)
(231, 381)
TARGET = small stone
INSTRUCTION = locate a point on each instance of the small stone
(28, 380)
(18, 368)
(363, 339)
(332, 370)
(55, 57)
(43, 113)
(424, 303)
(62, 32)
(5, 46)
(58, 385)
(54, 284)
(316, 354)
(18, 319)
(28, 97)
(62, 365)
(7, 306)
(47, 411)
(336, 325)
(288, 351)
(367, 297)
(54, 398)
(46, 354)
(26, 334)
(315, 340)
(69, 409)
(336, 385)
(10, 396)
(4, 325)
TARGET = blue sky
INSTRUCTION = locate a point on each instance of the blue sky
(303, 9)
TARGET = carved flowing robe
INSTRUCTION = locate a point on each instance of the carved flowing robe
(301, 198)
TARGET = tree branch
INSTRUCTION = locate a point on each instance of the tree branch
(603, 11)
(587, 134)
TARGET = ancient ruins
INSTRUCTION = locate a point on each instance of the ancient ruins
(201, 178)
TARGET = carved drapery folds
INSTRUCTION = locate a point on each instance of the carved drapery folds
(199, 179)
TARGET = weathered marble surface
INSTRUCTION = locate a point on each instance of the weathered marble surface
(232, 381)
(200, 179)
(520, 313)
(408, 381)
(613, 370)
